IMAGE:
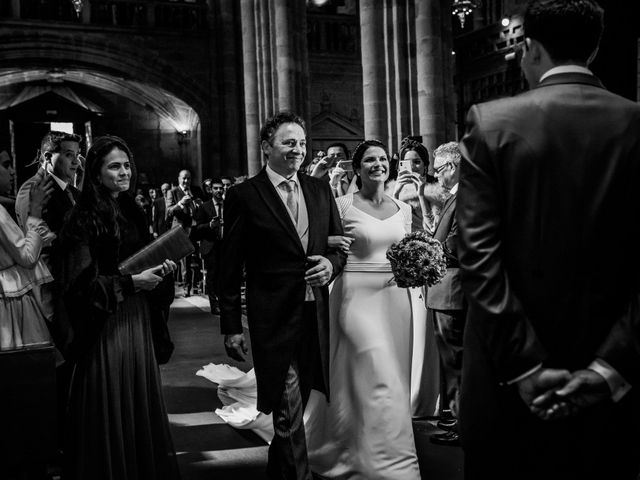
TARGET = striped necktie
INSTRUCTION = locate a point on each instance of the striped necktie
(291, 198)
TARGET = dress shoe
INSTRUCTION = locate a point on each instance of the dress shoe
(447, 424)
(187, 293)
(450, 439)
(215, 310)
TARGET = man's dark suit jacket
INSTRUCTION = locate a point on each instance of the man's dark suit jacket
(159, 216)
(260, 235)
(549, 226)
(447, 294)
(178, 215)
(208, 237)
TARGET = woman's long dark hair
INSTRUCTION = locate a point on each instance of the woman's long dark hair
(97, 210)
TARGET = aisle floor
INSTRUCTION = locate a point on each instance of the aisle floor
(207, 447)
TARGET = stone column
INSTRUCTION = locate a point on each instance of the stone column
(229, 78)
(276, 66)
(406, 63)
(435, 83)
(15, 9)
(374, 91)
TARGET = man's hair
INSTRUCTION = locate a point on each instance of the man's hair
(52, 141)
(272, 123)
(342, 146)
(450, 149)
(568, 29)
(227, 177)
(216, 180)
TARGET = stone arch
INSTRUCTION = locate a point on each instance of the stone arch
(99, 62)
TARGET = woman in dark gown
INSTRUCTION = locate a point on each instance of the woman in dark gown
(118, 427)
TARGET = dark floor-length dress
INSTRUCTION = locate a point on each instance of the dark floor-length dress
(118, 427)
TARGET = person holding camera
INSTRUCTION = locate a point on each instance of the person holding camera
(183, 202)
(336, 167)
(208, 231)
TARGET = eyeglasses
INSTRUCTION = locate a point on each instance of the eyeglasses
(441, 168)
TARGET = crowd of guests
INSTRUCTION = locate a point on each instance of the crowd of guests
(537, 333)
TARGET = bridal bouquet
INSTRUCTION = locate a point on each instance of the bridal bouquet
(417, 260)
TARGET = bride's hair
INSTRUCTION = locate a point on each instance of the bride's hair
(359, 151)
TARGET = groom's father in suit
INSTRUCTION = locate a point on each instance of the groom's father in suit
(549, 228)
(276, 226)
(446, 306)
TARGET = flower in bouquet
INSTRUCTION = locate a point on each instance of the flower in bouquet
(417, 260)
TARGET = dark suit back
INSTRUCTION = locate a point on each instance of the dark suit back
(260, 235)
(549, 231)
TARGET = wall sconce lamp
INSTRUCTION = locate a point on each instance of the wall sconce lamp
(183, 136)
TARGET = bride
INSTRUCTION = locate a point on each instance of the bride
(365, 432)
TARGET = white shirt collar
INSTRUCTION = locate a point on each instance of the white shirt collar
(62, 184)
(565, 69)
(454, 189)
(276, 179)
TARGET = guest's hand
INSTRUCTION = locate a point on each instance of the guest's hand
(320, 273)
(39, 194)
(148, 279)
(585, 389)
(405, 177)
(336, 176)
(167, 267)
(542, 381)
(236, 346)
(340, 242)
(320, 169)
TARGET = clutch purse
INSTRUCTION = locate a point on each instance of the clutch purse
(174, 244)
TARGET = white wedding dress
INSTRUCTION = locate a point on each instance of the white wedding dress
(383, 365)
(365, 432)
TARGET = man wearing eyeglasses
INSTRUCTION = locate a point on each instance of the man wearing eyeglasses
(446, 306)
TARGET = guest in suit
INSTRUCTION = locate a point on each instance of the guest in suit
(182, 203)
(445, 301)
(59, 157)
(227, 183)
(549, 226)
(208, 231)
(276, 226)
(158, 220)
(59, 152)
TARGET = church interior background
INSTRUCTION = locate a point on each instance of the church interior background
(188, 82)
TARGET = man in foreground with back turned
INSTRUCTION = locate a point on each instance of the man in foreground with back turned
(549, 227)
(276, 226)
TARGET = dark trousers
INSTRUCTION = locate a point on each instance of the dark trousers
(210, 265)
(288, 450)
(449, 326)
(191, 271)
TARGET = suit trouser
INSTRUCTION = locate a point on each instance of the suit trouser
(449, 325)
(288, 450)
(210, 265)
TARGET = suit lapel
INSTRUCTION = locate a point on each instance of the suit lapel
(272, 200)
(448, 204)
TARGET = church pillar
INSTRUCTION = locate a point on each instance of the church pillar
(434, 69)
(374, 89)
(276, 66)
(407, 76)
